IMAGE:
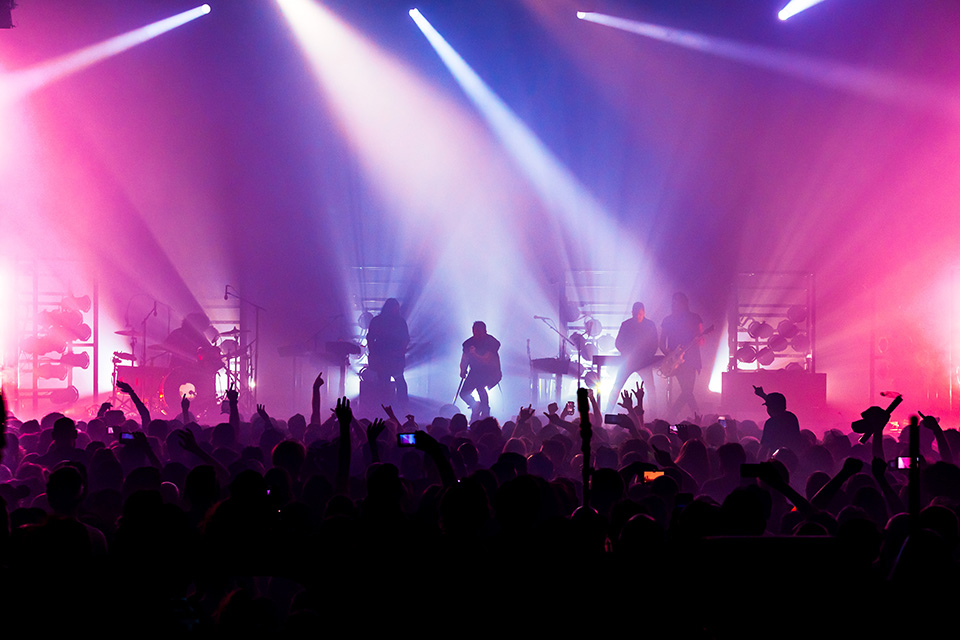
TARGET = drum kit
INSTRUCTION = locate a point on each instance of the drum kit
(203, 377)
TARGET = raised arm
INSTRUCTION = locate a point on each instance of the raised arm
(391, 416)
(638, 412)
(233, 399)
(426, 443)
(596, 416)
(138, 403)
(188, 442)
(878, 443)
(344, 418)
(851, 466)
(142, 444)
(315, 402)
(946, 455)
(894, 503)
(666, 462)
(523, 422)
(373, 432)
(769, 475)
(630, 424)
(262, 412)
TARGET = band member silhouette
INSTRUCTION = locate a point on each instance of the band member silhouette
(387, 339)
(637, 341)
(680, 328)
(480, 369)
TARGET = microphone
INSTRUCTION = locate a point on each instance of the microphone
(154, 308)
(226, 288)
(890, 394)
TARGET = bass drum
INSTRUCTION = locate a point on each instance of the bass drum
(198, 385)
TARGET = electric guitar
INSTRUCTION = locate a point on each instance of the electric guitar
(673, 360)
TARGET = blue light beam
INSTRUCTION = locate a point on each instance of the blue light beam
(852, 79)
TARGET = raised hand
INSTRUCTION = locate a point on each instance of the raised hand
(626, 401)
(185, 405)
(852, 466)
(343, 412)
(262, 412)
(375, 429)
(424, 441)
(187, 440)
(319, 381)
(525, 413)
(769, 474)
(125, 387)
(106, 406)
(929, 422)
(759, 391)
(232, 394)
(568, 410)
(662, 457)
(388, 409)
(639, 393)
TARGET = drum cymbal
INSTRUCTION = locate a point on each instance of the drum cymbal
(234, 333)
(120, 355)
(129, 333)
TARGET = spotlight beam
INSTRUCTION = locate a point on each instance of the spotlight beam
(852, 79)
(584, 217)
(18, 84)
(796, 6)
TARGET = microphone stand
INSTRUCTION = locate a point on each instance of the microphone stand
(549, 323)
(231, 292)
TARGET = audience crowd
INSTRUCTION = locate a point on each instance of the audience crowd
(327, 525)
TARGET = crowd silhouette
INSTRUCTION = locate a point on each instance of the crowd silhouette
(289, 527)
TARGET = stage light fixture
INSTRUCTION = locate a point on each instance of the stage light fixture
(50, 371)
(59, 369)
(766, 356)
(607, 342)
(593, 327)
(800, 343)
(64, 396)
(591, 380)
(797, 313)
(760, 330)
(589, 350)
(787, 329)
(79, 359)
(40, 345)
(796, 6)
(746, 354)
(777, 342)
